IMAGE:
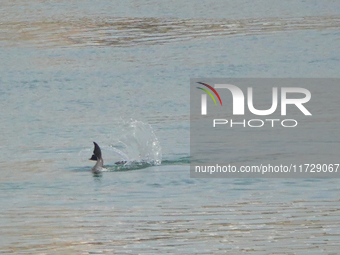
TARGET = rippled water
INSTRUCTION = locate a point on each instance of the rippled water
(71, 72)
(125, 32)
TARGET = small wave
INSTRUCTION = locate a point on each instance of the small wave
(127, 166)
(179, 161)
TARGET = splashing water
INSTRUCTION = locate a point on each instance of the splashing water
(138, 143)
(136, 147)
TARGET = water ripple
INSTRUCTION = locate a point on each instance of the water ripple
(127, 32)
(297, 225)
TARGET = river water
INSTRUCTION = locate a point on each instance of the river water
(74, 72)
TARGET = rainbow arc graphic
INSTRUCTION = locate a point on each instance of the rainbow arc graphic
(209, 93)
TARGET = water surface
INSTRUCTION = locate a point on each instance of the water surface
(72, 72)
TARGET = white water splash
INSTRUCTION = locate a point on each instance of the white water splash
(134, 144)
(138, 143)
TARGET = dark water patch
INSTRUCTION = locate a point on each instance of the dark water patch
(132, 166)
(179, 161)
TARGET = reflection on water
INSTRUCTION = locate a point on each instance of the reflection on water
(135, 213)
(123, 32)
